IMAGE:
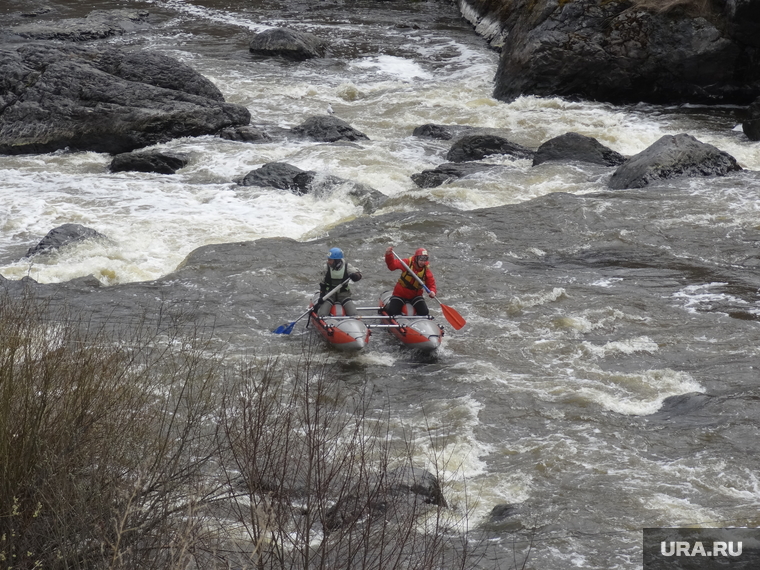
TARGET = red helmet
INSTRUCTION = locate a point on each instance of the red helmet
(421, 257)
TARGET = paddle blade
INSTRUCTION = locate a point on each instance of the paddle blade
(454, 318)
(284, 329)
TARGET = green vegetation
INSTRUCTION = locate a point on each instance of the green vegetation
(137, 447)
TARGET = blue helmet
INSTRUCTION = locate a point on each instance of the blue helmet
(335, 253)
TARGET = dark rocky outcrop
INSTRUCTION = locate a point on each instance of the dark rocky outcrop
(97, 25)
(672, 157)
(148, 161)
(444, 173)
(103, 99)
(288, 177)
(287, 43)
(64, 235)
(625, 50)
(574, 146)
(751, 125)
(327, 128)
(477, 147)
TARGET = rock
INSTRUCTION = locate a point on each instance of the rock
(327, 128)
(103, 99)
(573, 146)
(440, 132)
(621, 51)
(280, 175)
(288, 177)
(751, 126)
(64, 235)
(444, 173)
(245, 133)
(476, 147)
(97, 25)
(672, 157)
(149, 161)
(399, 491)
(283, 42)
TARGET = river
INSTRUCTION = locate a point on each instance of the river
(607, 378)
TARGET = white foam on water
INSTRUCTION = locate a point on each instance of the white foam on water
(397, 67)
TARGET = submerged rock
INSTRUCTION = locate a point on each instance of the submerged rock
(751, 126)
(149, 161)
(477, 147)
(64, 235)
(288, 177)
(672, 157)
(444, 173)
(287, 43)
(98, 24)
(245, 133)
(327, 128)
(574, 146)
(103, 99)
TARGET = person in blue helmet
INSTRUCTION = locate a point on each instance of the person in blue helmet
(338, 270)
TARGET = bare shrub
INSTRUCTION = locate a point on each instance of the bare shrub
(102, 442)
(324, 484)
(135, 445)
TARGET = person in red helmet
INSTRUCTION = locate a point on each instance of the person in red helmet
(408, 289)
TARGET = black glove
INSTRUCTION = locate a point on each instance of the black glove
(319, 302)
(355, 276)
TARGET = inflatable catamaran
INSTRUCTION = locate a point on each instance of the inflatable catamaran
(352, 333)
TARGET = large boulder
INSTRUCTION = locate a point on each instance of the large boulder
(287, 43)
(676, 156)
(628, 50)
(577, 147)
(103, 99)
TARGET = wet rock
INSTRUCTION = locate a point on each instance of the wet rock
(327, 128)
(284, 42)
(400, 491)
(672, 157)
(103, 99)
(574, 146)
(245, 133)
(280, 175)
(64, 235)
(444, 173)
(97, 25)
(148, 161)
(621, 51)
(751, 126)
(440, 132)
(477, 147)
(288, 177)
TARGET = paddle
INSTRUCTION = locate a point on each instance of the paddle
(454, 318)
(287, 329)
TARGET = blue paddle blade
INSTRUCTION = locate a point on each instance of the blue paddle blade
(284, 329)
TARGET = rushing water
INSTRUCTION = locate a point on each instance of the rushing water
(606, 380)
